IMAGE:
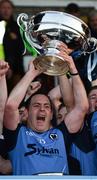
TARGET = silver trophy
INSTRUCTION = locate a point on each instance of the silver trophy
(43, 32)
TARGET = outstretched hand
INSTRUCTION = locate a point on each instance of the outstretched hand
(3, 68)
(34, 86)
(31, 67)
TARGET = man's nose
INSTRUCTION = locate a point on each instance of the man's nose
(42, 107)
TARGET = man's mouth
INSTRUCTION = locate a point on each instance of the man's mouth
(41, 118)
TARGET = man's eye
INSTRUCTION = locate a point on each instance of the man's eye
(47, 106)
(92, 97)
(36, 105)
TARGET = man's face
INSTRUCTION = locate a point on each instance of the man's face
(92, 97)
(23, 114)
(61, 115)
(40, 113)
(6, 10)
(93, 22)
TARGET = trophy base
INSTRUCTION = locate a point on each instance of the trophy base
(53, 65)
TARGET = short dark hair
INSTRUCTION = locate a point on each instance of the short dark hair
(72, 8)
(92, 88)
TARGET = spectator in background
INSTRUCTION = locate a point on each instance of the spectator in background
(92, 58)
(92, 97)
(73, 9)
(23, 113)
(92, 120)
(13, 44)
(92, 23)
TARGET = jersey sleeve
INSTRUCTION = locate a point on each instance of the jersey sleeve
(10, 138)
(83, 139)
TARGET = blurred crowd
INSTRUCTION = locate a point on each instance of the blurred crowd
(46, 128)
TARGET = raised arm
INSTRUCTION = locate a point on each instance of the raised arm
(11, 116)
(74, 119)
(3, 90)
(66, 92)
(60, 91)
(65, 83)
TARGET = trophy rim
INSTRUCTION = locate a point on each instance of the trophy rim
(83, 29)
(61, 12)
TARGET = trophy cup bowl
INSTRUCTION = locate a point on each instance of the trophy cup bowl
(45, 30)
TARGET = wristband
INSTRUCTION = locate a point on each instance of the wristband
(74, 74)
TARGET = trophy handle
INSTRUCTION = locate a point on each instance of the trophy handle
(91, 45)
(25, 24)
(22, 21)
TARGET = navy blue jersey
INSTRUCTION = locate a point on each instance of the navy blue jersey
(83, 149)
